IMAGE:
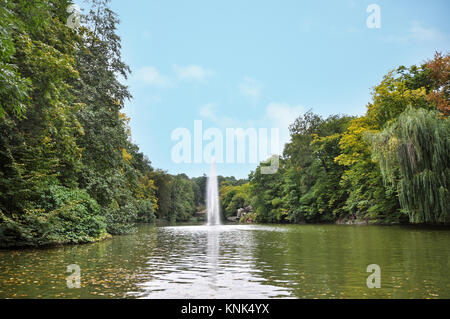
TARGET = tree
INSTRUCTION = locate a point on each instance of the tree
(107, 172)
(439, 72)
(182, 205)
(14, 87)
(200, 189)
(368, 198)
(38, 145)
(414, 152)
(266, 193)
(234, 197)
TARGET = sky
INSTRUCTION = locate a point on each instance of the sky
(260, 64)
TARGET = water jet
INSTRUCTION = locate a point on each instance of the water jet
(212, 198)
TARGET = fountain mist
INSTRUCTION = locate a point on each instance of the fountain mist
(212, 198)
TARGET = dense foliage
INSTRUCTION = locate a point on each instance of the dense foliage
(414, 156)
(389, 166)
(68, 171)
(234, 196)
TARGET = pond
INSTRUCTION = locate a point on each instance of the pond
(238, 261)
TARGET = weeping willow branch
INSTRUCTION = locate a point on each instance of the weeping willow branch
(414, 155)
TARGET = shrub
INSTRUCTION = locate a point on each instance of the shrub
(145, 213)
(63, 216)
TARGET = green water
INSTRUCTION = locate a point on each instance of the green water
(239, 261)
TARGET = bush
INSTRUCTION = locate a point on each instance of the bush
(63, 216)
(248, 218)
(145, 213)
(120, 220)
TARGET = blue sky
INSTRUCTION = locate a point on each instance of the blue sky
(261, 63)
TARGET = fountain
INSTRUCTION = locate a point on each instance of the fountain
(212, 198)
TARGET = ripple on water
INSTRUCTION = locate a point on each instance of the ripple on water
(238, 261)
(224, 269)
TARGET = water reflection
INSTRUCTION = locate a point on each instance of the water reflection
(212, 255)
(212, 262)
(238, 261)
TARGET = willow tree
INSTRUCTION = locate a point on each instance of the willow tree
(414, 154)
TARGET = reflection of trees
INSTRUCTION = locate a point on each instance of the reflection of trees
(330, 261)
(109, 268)
(309, 260)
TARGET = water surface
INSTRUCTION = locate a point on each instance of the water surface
(239, 261)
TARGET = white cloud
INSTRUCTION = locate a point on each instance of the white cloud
(192, 72)
(149, 75)
(208, 111)
(282, 115)
(421, 33)
(277, 115)
(417, 32)
(251, 88)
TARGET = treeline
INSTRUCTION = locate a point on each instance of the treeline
(391, 165)
(69, 172)
(180, 198)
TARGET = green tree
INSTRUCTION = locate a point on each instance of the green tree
(38, 145)
(182, 205)
(107, 172)
(266, 193)
(234, 197)
(414, 152)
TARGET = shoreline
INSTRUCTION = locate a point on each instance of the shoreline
(163, 223)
